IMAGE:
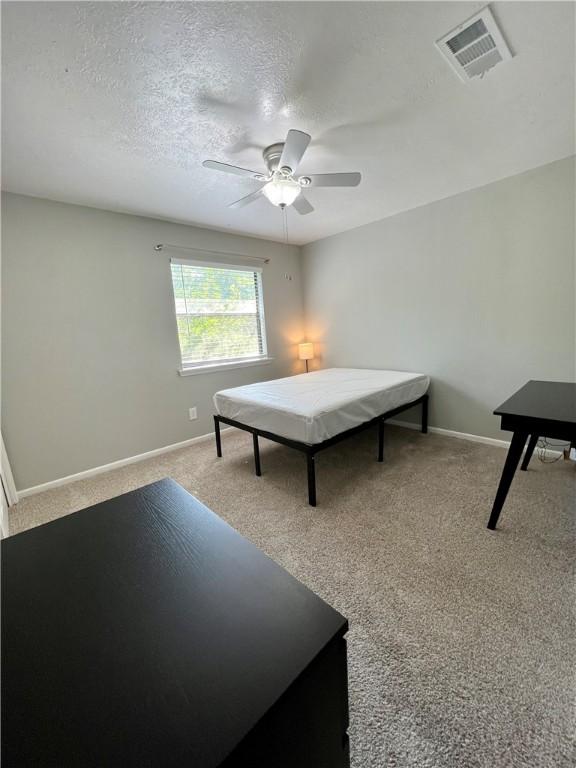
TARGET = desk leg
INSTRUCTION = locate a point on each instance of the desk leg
(512, 459)
(529, 451)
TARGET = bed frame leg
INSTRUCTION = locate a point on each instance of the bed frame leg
(310, 458)
(256, 454)
(381, 440)
(218, 440)
(425, 414)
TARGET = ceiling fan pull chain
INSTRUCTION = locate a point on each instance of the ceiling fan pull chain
(285, 218)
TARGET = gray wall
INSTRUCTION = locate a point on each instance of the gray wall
(89, 343)
(476, 290)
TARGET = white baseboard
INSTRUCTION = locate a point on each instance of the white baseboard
(452, 433)
(201, 438)
(117, 464)
(464, 436)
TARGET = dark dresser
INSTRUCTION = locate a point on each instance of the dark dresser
(145, 631)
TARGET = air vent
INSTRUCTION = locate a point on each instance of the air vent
(475, 46)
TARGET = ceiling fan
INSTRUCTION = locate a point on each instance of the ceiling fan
(281, 185)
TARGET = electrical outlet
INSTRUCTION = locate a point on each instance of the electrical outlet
(192, 413)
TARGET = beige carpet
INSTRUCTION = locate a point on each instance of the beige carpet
(461, 643)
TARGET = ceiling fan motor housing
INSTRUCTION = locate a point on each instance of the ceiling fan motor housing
(272, 155)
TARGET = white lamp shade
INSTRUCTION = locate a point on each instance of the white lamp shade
(306, 351)
(281, 191)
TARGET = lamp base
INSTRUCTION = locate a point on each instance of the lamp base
(306, 361)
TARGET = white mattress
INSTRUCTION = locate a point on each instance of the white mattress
(313, 407)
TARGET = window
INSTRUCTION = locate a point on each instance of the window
(219, 312)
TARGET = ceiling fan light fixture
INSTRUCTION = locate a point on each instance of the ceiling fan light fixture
(281, 191)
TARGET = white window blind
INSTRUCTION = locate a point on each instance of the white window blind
(219, 312)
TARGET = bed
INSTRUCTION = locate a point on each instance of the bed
(313, 411)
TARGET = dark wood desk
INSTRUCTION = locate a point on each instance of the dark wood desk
(539, 409)
(147, 632)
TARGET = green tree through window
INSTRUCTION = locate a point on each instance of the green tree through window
(219, 313)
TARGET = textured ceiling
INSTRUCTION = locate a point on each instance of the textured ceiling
(115, 105)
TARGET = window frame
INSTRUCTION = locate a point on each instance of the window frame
(219, 364)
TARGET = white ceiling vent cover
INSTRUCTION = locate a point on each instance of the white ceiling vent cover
(475, 46)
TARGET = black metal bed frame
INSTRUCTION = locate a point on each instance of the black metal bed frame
(312, 450)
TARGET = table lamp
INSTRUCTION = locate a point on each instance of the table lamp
(306, 352)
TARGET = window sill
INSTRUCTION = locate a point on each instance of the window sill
(214, 367)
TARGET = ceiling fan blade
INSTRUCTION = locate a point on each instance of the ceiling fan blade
(302, 205)
(334, 179)
(246, 200)
(216, 166)
(294, 148)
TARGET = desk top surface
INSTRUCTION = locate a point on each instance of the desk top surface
(549, 400)
(146, 631)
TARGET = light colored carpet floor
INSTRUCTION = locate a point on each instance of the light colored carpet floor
(461, 643)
